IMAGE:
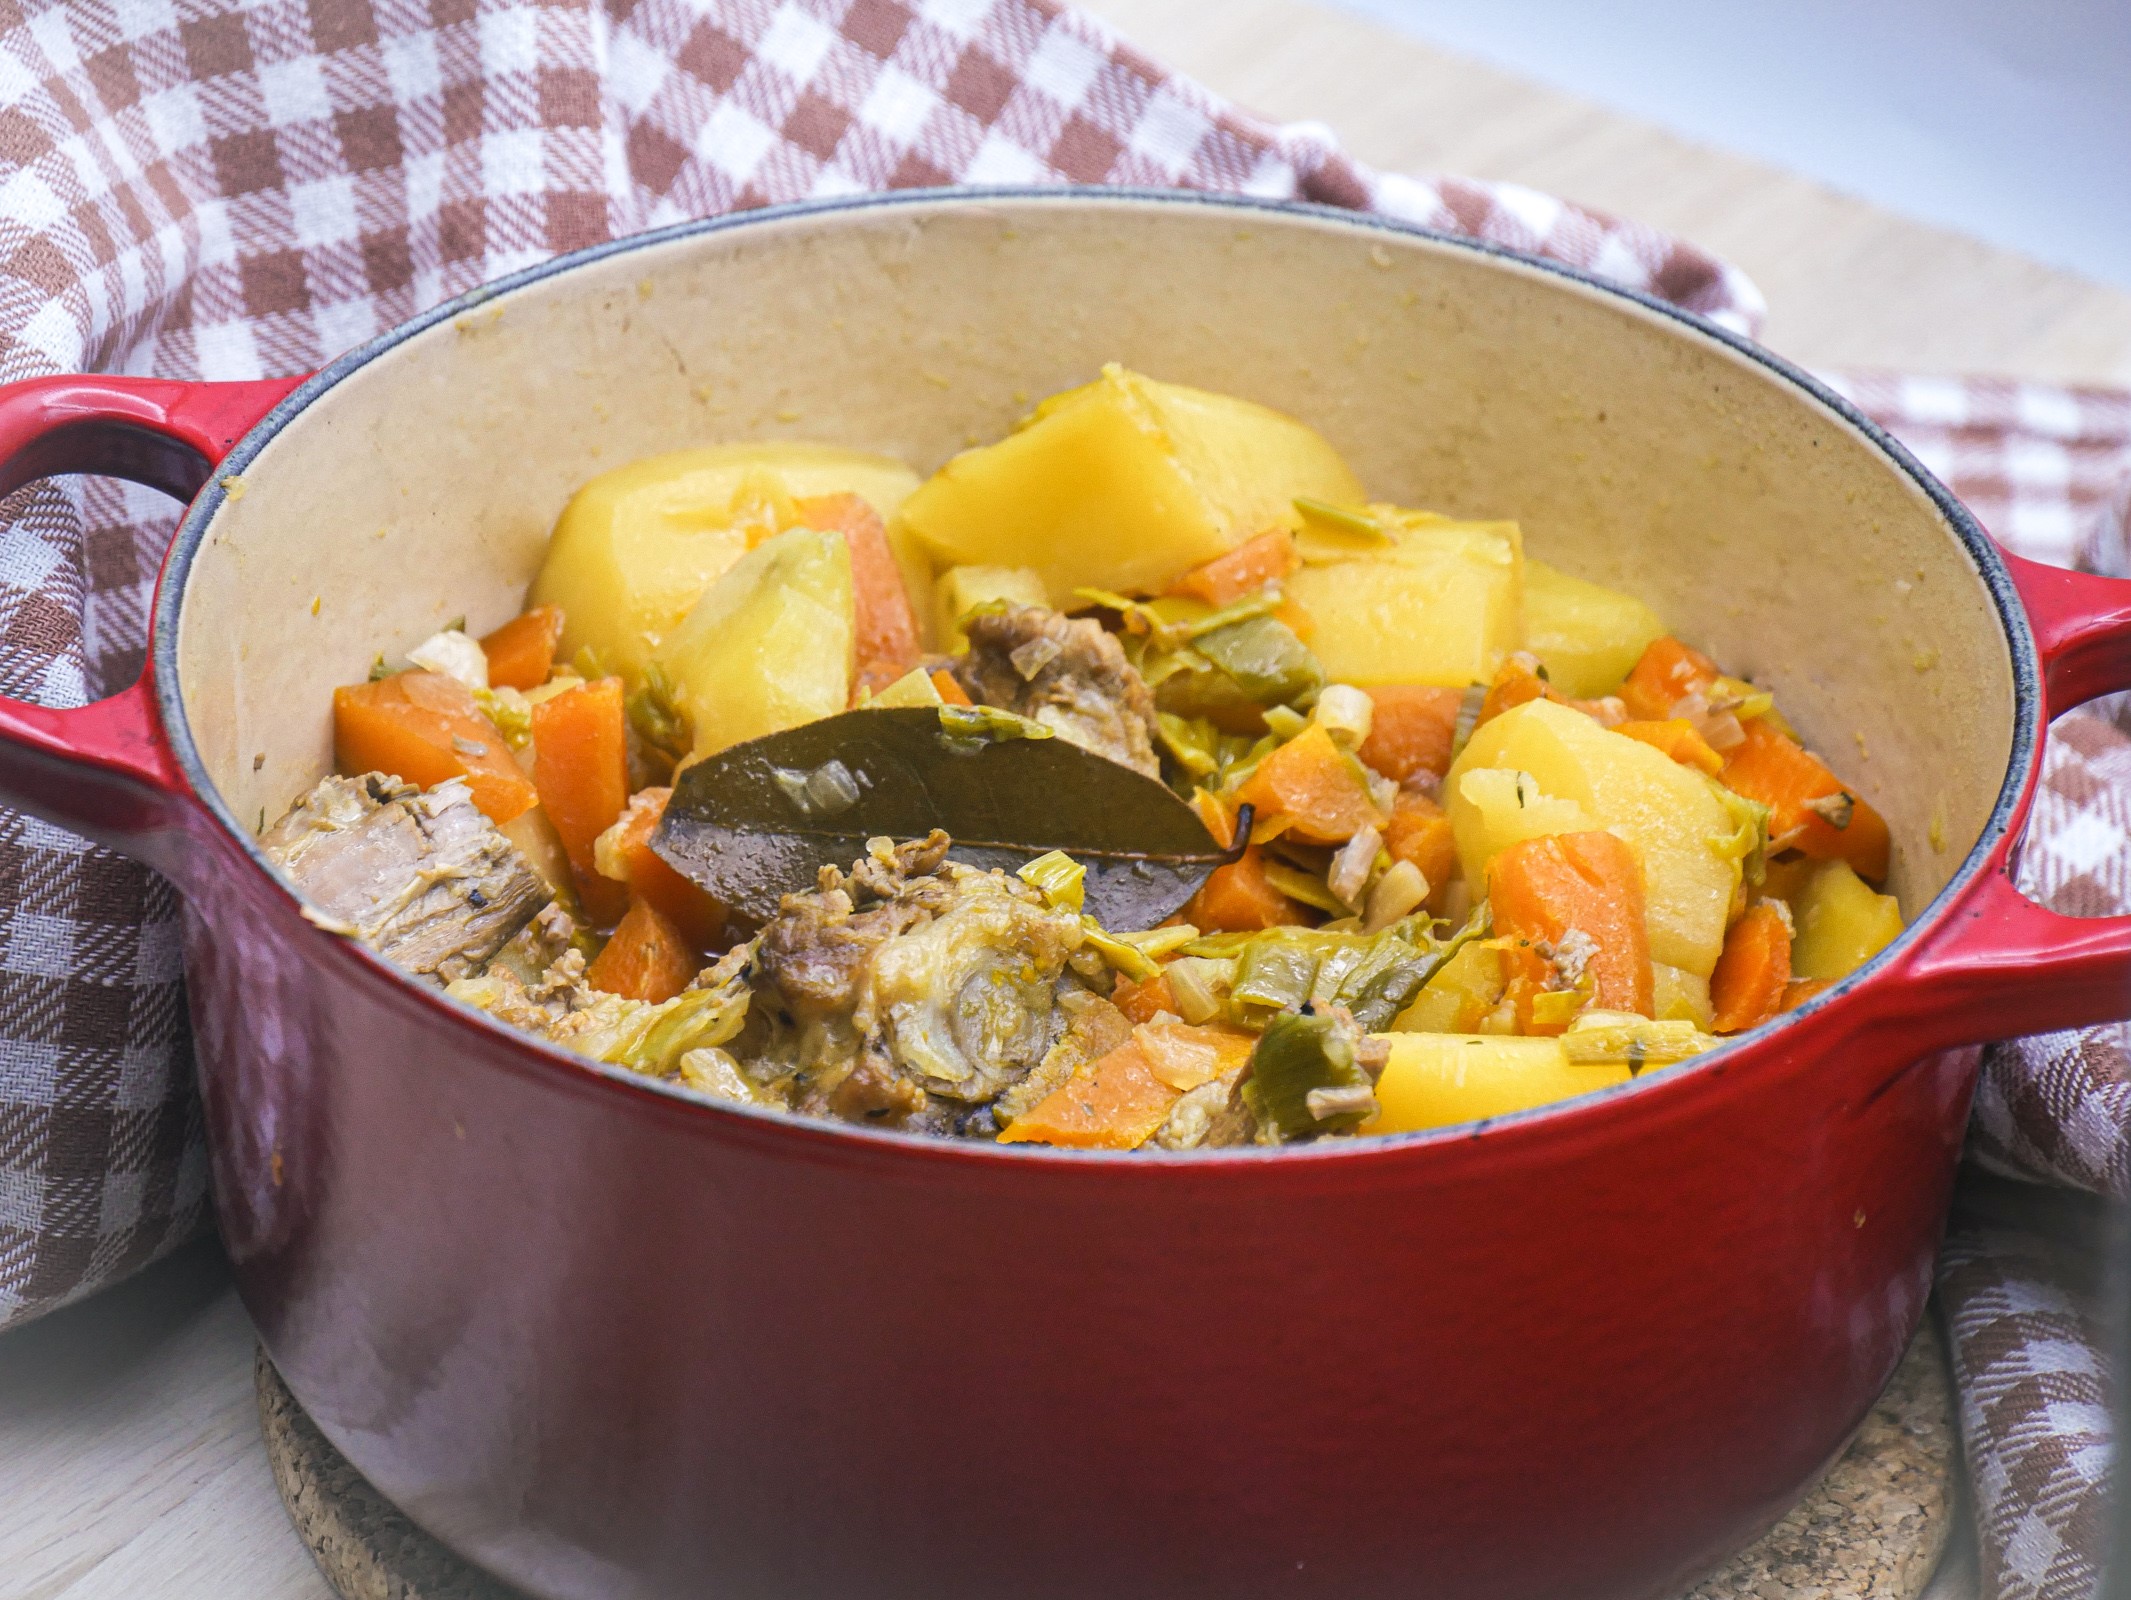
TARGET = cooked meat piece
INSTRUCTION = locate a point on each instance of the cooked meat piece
(908, 990)
(423, 878)
(537, 946)
(1065, 673)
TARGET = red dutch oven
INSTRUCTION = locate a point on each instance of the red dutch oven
(611, 1340)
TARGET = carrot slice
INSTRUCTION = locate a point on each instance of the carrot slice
(1591, 882)
(1799, 990)
(1412, 729)
(1419, 832)
(1215, 813)
(1316, 788)
(1142, 1000)
(581, 767)
(647, 958)
(1115, 1103)
(1238, 899)
(624, 853)
(1244, 570)
(886, 626)
(1517, 682)
(521, 653)
(422, 728)
(1747, 987)
(1667, 673)
(950, 690)
(1770, 767)
(1679, 739)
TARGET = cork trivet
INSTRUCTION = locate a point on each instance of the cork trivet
(1872, 1529)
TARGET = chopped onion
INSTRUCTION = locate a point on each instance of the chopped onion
(1398, 893)
(1345, 713)
(454, 655)
(1348, 876)
(1196, 981)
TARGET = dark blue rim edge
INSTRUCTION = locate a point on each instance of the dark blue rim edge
(2012, 616)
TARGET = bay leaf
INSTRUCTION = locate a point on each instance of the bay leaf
(758, 820)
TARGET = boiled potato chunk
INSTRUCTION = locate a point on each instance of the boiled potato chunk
(1440, 602)
(1842, 923)
(1123, 484)
(962, 589)
(1678, 996)
(772, 645)
(1496, 807)
(1436, 1079)
(1588, 637)
(638, 546)
(1669, 813)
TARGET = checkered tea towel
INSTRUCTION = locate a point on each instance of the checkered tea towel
(2048, 471)
(193, 189)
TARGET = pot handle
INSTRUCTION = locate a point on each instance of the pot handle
(105, 770)
(2002, 966)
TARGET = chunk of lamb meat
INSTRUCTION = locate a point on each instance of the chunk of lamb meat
(911, 991)
(1065, 673)
(423, 878)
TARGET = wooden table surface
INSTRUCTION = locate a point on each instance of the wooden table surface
(130, 1458)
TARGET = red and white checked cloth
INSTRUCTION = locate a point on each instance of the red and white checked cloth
(202, 188)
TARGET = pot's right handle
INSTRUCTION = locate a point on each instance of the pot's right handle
(105, 770)
(2001, 966)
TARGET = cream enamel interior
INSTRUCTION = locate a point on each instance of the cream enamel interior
(1634, 450)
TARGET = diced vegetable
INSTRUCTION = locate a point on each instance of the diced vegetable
(1599, 779)
(423, 728)
(1666, 673)
(1412, 729)
(1263, 658)
(1419, 832)
(1747, 987)
(1312, 789)
(1679, 996)
(624, 854)
(1238, 898)
(1249, 567)
(950, 691)
(1141, 1001)
(1435, 1080)
(1522, 678)
(1492, 808)
(885, 628)
(1305, 1076)
(581, 767)
(1810, 809)
(1115, 1103)
(1632, 1041)
(541, 846)
(1124, 484)
(521, 653)
(647, 958)
(1676, 736)
(1589, 636)
(770, 646)
(1185, 1056)
(1439, 602)
(1799, 990)
(961, 590)
(1588, 883)
(913, 688)
(637, 547)
(1842, 923)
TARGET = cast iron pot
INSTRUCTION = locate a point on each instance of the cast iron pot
(610, 1340)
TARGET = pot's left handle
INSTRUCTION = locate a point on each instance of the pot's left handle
(105, 770)
(2001, 966)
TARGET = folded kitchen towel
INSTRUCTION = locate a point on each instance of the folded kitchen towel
(235, 190)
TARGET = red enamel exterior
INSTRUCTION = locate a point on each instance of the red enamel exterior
(612, 1341)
